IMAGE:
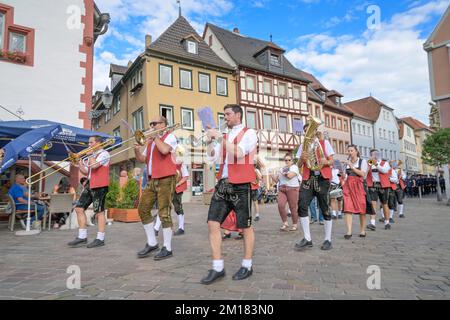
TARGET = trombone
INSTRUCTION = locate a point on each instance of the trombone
(73, 158)
(140, 137)
(196, 142)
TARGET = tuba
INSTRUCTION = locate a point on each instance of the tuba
(312, 162)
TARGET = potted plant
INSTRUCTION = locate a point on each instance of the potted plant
(122, 203)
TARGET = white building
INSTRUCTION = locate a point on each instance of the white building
(409, 152)
(46, 59)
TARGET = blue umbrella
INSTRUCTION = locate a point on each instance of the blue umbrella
(27, 143)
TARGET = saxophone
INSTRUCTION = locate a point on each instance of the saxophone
(312, 162)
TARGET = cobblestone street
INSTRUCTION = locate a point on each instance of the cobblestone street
(414, 259)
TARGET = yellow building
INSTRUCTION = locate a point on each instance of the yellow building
(175, 76)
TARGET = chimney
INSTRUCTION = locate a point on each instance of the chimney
(129, 63)
(148, 40)
(236, 30)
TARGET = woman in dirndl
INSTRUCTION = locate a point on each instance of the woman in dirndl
(353, 191)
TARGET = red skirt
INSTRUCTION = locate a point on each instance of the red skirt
(230, 222)
(354, 196)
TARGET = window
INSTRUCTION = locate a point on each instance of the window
(384, 134)
(409, 131)
(395, 155)
(341, 147)
(346, 126)
(369, 131)
(296, 92)
(108, 116)
(283, 123)
(380, 133)
(364, 130)
(166, 112)
(274, 60)
(339, 124)
(2, 29)
(390, 152)
(359, 128)
(282, 90)
(17, 42)
(140, 76)
(267, 121)
(116, 104)
(138, 119)
(204, 84)
(335, 146)
(187, 118)
(222, 86)
(192, 47)
(116, 132)
(251, 83)
(165, 75)
(333, 122)
(185, 79)
(318, 112)
(338, 101)
(210, 40)
(354, 127)
(251, 119)
(327, 121)
(267, 86)
(220, 119)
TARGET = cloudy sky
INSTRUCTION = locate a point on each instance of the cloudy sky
(357, 47)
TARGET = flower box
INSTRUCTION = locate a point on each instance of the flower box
(18, 57)
(124, 215)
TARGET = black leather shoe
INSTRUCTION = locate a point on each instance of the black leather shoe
(401, 216)
(333, 217)
(387, 227)
(362, 235)
(243, 273)
(212, 276)
(326, 245)
(289, 215)
(77, 243)
(226, 236)
(381, 220)
(146, 251)
(256, 219)
(163, 254)
(371, 227)
(96, 243)
(347, 236)
(303, 245)
(340, 216)
(391, 220)
(179, 232)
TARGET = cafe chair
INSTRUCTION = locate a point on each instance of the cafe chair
(8, 208)
(59, 203)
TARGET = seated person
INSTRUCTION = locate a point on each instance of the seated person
(63, 187)
(20, 195)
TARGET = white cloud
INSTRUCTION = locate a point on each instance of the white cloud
(388, 62)
(146, 17)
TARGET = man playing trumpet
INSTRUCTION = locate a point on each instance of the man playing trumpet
(161, 170)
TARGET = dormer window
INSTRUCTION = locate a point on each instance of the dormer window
(274, 60)
(192, 47)
(338, 101)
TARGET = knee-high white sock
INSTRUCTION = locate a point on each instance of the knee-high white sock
(218, 265)
(82, 233)
(150, 232)
(305, 226)
(391, 213)
(372, 221)
(158, 223)
(328, 227)
(382, 213)
(400, 209)
(167, 232)
(247, 263)
(181, 221)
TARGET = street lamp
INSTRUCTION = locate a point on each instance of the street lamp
(107, 100)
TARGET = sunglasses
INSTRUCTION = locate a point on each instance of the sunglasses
(152, 124)
(287, 160)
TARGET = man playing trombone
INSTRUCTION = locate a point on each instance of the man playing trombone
(161, 170)
(96, 168)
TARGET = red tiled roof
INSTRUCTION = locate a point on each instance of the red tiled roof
(367, 108)
(415, 124)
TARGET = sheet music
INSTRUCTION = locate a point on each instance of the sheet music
(207, 118)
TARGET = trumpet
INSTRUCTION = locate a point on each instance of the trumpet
(73, 158)
(372, 162)
(141, 138)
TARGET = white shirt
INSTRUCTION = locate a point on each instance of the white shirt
(284, 181)
(364, 166)
(383, 169)
(184, 171)
(394, 177)
(334, 176)
(171, 140)
(247, 145)
(328, 148)
(101, 156)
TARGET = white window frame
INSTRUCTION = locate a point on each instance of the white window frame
(204, 75)
(275, 61)
(271, 86)
(220, 119)
(225, 80)
(2, 30)
(286, 122)
(116, 132)
(166, 107)
(138, 119)
(194, 46)
(116, 104)
(253, 112)
(294, 90)
(190, 79)
(11, 36)
(191, 116)
(284, 85)
(251, 79)
(264, 121)
(161, 68)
